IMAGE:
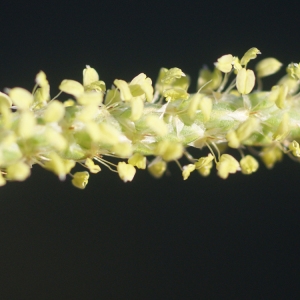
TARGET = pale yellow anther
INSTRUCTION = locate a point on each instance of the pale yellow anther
(171, 75)
(157, 168)
(91, 166)
(41, 79)
(293, 70)
(267, 66)
(91, 97)
(126, 171)
(227, 165)
(291, 83)
(294, 147)
(193, 105)
(2, 179)
(137, 109)
(248, 164)
(247, 128)
(273, 95)
(125, 92)
(69, 103)
(232, 139)
(282, 94)
(278, 95)
(93, 130)
(169, 150)
(206, 107)
(109, 134)
(224, 63)
(18, 171)
(175, 94)
(5, 100)
(208, 80)
(88, 112)
(90, 75)
(54, 112)
(59, 166)
(250, 54)
(26, 126)
(157, 125)
(236, 63)
(42, 94)
(55, 139)
(103, 133)
(6, 115)
(144, 83)
(187, 170)
(71, 87)
(138, 160)
(122, 149)
(204, 165)
(80, 179)
(21, 98)
(283, 128)
(245, 81)
(270, 156)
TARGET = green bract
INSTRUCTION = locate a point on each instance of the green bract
(149, 126)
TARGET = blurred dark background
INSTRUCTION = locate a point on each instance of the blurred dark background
(204, 238)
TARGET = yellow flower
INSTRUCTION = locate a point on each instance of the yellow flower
(126, 171)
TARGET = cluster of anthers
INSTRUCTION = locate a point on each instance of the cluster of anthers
(148, 127)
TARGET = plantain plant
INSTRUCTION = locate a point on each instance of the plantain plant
(148, 126)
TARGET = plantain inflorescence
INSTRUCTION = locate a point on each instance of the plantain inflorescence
(148, 126)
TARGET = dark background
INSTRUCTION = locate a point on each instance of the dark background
(204, 238)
